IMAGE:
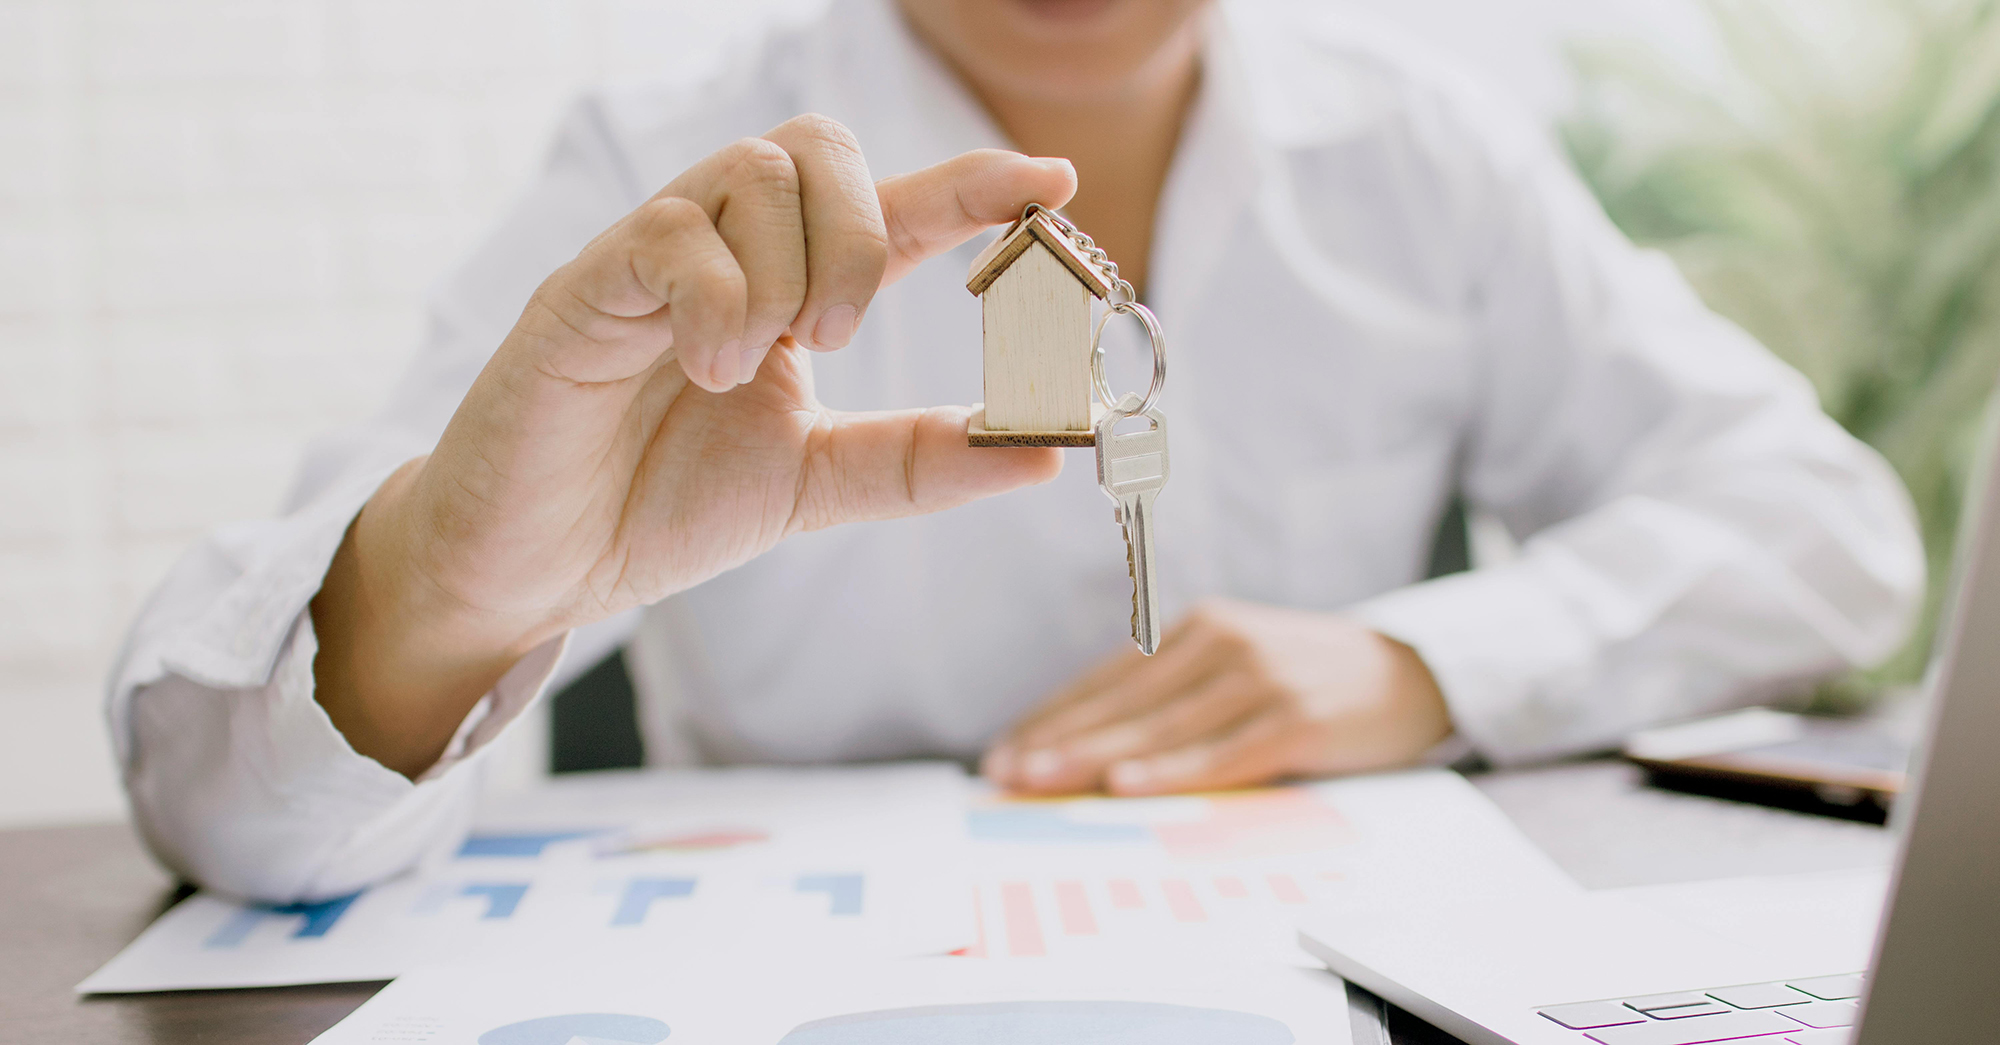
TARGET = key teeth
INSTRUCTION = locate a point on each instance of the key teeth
(1132, 571)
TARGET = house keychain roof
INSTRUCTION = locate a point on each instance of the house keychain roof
(1038, 228)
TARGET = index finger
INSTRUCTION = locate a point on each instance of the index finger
(1256, 752)
(1104, 675)
(930, 211)
(1186, 658)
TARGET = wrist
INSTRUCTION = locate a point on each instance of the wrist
(1413, 688)
(412, 581)
(401, 662)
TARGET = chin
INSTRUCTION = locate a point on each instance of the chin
(1051, 47)
(1066, 15)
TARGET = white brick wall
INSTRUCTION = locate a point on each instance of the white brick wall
(217, 218)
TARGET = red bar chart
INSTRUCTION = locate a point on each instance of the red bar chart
(1034, 917)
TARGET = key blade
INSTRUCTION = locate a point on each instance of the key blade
(1138, 513)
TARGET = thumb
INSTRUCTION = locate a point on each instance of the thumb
(891, 464)
(930, 211)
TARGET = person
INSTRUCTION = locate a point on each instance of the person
(1382, 291)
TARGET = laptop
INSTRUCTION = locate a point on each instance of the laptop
(1597, 969)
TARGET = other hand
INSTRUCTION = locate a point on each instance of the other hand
(1239, 694)
(650, 422)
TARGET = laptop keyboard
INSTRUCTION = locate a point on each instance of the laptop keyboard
(1789, 1012)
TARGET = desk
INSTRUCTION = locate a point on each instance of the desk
(70, 897)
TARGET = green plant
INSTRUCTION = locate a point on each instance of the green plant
(1836, 191)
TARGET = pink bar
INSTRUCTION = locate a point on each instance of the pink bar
(1181, 901)
(1285, 888)
(1232, 888)
(1074, 906)
(1125, 894)
(1024, 927)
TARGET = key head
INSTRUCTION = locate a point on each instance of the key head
(1131, 463)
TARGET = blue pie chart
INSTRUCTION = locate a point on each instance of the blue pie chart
(594, 1028)
(1044, 1023)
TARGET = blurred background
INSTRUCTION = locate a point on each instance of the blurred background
(218, 219)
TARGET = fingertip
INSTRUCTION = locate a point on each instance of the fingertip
(748, 361)
(703, 374)
(723, 366)
(982, 471)
(835, 328)
(1131, 776)
(1041, 767)
(1064, 173)
(1047, 463)
(998, 765)
(1024, 465)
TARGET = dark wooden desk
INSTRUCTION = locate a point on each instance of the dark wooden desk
(70, 897)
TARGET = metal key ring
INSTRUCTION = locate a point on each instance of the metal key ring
(1152, 324)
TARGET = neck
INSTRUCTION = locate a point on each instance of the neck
(1121, 141)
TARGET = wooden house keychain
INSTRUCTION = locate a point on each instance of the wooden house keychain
(1045, 363)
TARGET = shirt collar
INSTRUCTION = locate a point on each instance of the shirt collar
(909, 110)
(1214, 177)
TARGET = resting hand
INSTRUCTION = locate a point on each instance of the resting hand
(650, 422)
(1238, 694)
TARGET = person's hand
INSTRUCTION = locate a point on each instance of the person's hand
(1238, 694)
(650, 422)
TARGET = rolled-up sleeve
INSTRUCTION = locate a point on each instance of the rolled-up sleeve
(1695, 533)
(237, 778)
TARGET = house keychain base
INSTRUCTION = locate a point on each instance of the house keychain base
(977, 434)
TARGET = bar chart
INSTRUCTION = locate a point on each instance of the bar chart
(1034, 917)
(862, 862)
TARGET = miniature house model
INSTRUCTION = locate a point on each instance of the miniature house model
(1034, 289)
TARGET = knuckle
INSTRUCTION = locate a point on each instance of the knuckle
(1209, 613)
(1198, 620)
(824, 130)
(1235, 644)
(870, 245)
(556, 309)
(721, 278)
(668, 216)
(762, 163)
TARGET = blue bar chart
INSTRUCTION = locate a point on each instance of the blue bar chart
(640, 893)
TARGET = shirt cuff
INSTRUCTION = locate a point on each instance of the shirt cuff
(370, 821)
(1498, 641)
(316, 754)
(277, 566)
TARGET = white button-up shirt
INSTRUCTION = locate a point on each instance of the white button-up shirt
(1379, 292)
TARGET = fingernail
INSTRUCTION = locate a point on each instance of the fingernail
(751, 358)
(722, 370)
(836, 327)
(1056, 163)
(1040, 765)
(1129, 776)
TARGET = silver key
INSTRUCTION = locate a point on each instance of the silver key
(1131, 468)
